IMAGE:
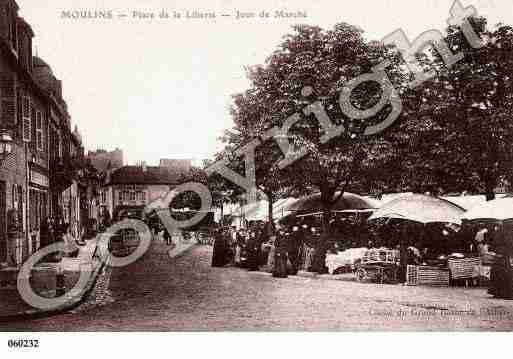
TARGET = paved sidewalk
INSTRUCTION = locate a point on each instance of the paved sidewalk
(44, 282)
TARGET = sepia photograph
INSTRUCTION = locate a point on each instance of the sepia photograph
(255, 167)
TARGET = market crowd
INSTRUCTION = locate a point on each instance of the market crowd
(277, 248)
(286, 249)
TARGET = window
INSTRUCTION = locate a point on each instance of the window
(27, 121)
(132, 196)
(39, 131)
(121, 197)
(141, 196)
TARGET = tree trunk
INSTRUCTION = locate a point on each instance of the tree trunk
(489, 187)
(321, 246)
(270, 214)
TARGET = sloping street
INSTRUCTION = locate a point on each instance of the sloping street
(159, 293)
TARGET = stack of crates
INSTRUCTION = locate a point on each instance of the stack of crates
(427, 275)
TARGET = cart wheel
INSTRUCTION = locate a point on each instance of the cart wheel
(360, 275)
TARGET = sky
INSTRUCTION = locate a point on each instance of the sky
(162, 88)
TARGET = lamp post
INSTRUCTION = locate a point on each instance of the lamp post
(5, 144)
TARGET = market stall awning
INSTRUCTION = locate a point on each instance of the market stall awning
(257, 211)
(498, 209)
(349, 201)
(282, 204)
(420, 208)
(468, 202)
(368, 210)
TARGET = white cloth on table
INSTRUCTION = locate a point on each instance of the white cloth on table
(345, 258)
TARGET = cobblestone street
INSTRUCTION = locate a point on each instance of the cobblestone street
(158, 293)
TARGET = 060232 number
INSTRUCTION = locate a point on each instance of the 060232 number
(22, 343)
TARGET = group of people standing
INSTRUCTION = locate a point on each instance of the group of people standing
(55, 230)
(233, 246)
(261, 245)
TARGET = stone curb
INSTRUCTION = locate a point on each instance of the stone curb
(73, 303)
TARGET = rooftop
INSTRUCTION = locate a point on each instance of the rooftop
(149, 175)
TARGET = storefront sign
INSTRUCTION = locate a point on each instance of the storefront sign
(38, 178)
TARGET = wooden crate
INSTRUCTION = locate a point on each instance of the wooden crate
(466, 268)
(426, 275)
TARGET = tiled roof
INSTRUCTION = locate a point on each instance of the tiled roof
(149, 175)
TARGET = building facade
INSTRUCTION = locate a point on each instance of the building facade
(34, 176)
(130, 188)
(104, 160)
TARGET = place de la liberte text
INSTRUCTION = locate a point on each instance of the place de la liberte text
(91, 14)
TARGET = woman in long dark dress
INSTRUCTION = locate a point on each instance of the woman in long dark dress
(295, 242)
(501, 276)
(167, 237)
(501, 279)
(253, 252)
(264, 234)
(280, 256)
(219, 257)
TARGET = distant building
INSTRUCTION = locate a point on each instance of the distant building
(103, 160)
(179, 165)
(131, 188)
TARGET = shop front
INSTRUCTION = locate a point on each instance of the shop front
(37, 205)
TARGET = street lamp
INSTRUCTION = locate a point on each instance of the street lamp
(5, 144)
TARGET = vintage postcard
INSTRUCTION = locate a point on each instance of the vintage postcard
(270, 166)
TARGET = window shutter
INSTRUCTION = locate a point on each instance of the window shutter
(33, 136)
(27, 123)
(39, 130)
(46, 141)
(8, 100)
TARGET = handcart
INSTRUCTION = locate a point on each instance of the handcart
(379, 266)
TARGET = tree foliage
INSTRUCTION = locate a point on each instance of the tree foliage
(460, 127)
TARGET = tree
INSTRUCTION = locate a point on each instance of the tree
(307, 73)
(460, 133)
(249, 112)
(221, 190)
